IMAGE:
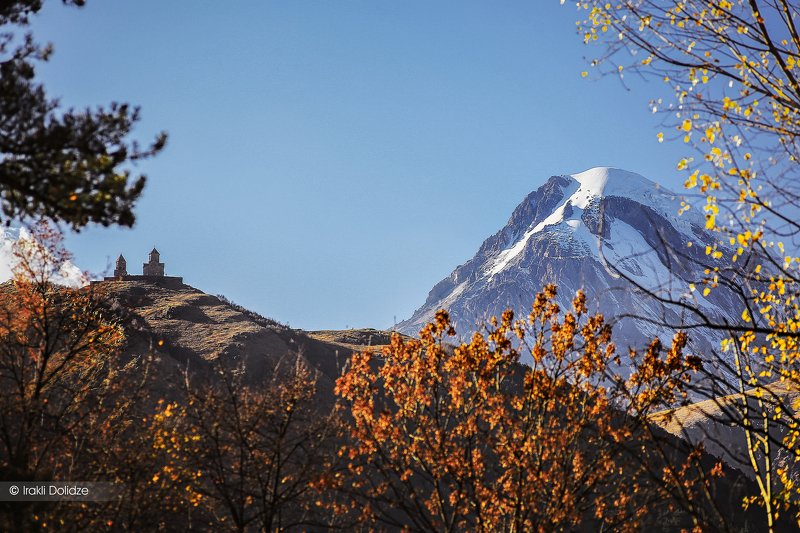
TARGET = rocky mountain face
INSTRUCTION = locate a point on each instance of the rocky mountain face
(587, 231)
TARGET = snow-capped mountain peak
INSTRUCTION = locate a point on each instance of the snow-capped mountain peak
(608, 181)
(589, 231)
(576, 220)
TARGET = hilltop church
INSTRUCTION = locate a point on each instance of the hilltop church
(152, 270)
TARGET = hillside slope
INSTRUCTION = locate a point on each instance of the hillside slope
(186, 327)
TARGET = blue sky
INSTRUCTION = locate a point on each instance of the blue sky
(329, 162)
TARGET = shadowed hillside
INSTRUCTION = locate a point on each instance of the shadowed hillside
(185, 326)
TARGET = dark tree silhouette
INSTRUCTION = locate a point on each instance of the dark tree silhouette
(65, 165)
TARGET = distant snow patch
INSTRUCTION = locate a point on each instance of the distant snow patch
(68, 275)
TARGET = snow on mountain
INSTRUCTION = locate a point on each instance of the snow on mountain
(68, 274)
(582, 231)
(581, 196)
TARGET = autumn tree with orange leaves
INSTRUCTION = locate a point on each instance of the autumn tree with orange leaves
(56, 343)
(246, 457)
(467, 439)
